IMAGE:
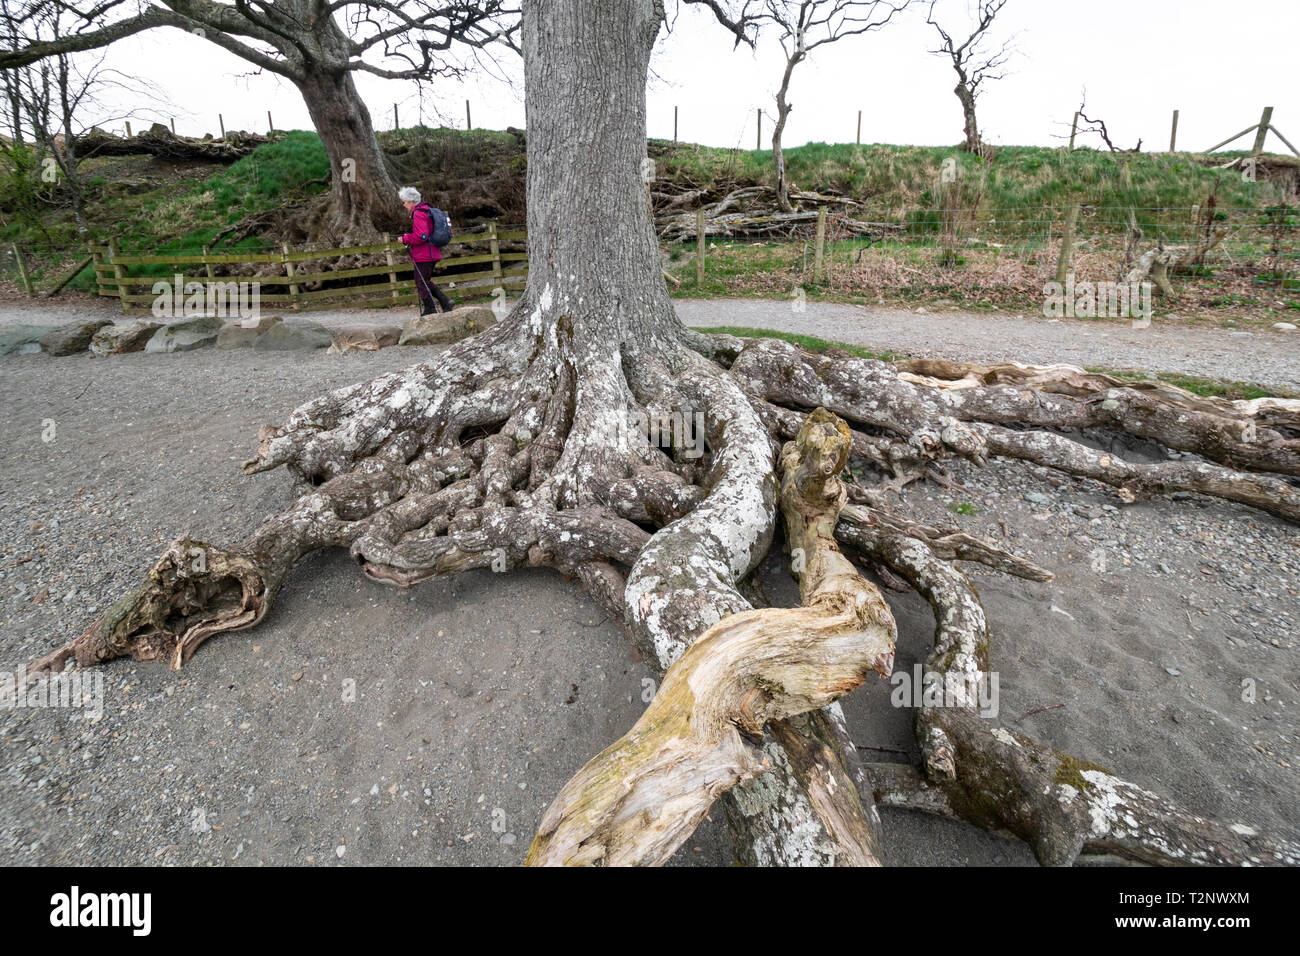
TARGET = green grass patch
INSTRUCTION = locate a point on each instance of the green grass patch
(1199, 385)
(810, 342)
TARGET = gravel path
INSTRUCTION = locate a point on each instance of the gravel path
(1265, 355)
(359, 724)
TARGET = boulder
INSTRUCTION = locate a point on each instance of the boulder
(1284, 326)
(283, 336)
(242, 334)
(365, 338)
(116, 339)
(23, 339)
(73, 337)
(440, 328)
(186, 335)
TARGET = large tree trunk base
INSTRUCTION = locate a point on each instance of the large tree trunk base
(531, 445)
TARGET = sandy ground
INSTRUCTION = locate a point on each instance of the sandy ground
(364, 725)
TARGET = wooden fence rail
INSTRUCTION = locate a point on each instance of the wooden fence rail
(506, 270)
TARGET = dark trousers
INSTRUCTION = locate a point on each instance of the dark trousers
(429, 292)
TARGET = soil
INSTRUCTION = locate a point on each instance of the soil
(365, 725)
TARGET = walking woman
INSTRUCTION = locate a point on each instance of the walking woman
(424, 254)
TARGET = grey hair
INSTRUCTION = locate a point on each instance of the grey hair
(408, 194)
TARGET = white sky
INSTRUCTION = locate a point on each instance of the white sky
(1218, 63)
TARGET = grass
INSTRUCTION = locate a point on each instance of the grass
(1023, 187)
(810, 342)
(1198, 385)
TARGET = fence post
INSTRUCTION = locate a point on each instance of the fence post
(97, 263)
(469, 124)
(392, 272)
(270, 123)
(22, 269)
(172, 120)
(758, 137)
(859, 138)
(820, 249)
(395, 116)
(699, 247)
(1074, 125)
(1067, 244)
(221, 121)
(289, 271)
(1260, 133)
(674, 124)
(1173, 132)
(119, 273)
(495, 246)
(128, 129)
(207, 266)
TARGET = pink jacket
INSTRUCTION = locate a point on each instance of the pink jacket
(421, 222)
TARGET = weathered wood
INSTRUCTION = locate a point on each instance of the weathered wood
(819, 251)
(119, 273)
(68, 276)
(392, 272)
(288, 269)
(1262, 131)
(1067, 244)
(699, 248)
(23, 279)
(639, 799)
(161, 141)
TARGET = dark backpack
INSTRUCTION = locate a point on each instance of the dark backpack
(441, 234)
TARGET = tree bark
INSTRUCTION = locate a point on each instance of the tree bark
(363, 199)
(970, 128)
(783, 108)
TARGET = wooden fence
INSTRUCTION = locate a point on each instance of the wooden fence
(457, 274)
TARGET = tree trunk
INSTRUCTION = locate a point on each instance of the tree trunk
(363, 199)
(590, 240)
(783, 108)
(970, 128)
(520, 447)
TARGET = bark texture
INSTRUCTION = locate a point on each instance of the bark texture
(591, 432)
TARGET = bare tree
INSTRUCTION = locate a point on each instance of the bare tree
(973, 63)
(804, 25)
(317, 45)
(541, 442)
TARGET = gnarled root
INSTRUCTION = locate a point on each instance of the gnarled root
(194, 591)
(514, 448)
(639, 799)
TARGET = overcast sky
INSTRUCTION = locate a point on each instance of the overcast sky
(1218, 63)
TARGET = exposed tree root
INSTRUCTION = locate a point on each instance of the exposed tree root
(638, 800)
(642, 461)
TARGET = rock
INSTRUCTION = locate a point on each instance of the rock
(1172, 671)
(1240, 335)
(1284, 326)
(22, 338)
(1036, 498)
(186, 335)
(116, 339)
(365, 338)
(242, 334)
(445, 327)
(72, 338)
(286, 336)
